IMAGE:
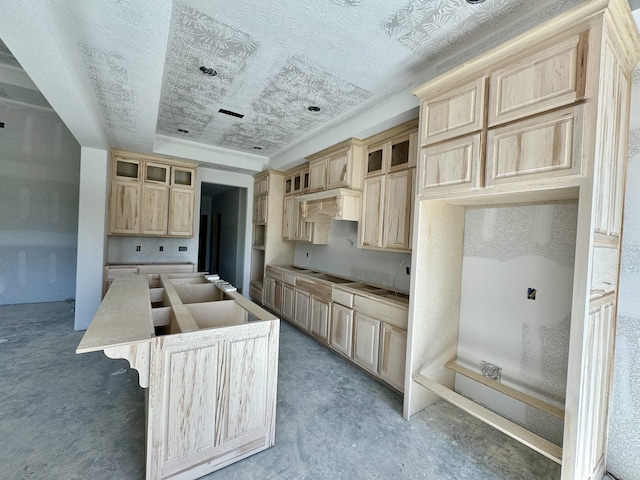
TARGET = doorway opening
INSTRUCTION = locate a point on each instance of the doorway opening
(222, 232)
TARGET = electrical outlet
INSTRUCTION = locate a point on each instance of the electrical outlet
(182, 249)
(161, 248)
(490, 370)
(137, 248)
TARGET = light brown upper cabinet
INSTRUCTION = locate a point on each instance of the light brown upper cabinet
(150, 196)
(453, 113)
(297, 181)
(339, 166)
(451, 166)
(527, 137)
(544, 146)
(388, 188)
(550, 78)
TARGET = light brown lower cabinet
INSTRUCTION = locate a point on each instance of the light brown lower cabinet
(302, 302)
(393, 348)
(320, 315)
(211, 373)
(272, 294)
(366, 340)
(341, 329)
(288, 301)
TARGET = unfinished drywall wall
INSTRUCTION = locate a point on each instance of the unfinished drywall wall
(624, 435)
(342, 257)
(507, 251)
(39, 181)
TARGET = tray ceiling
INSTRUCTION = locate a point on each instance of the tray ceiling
(139, 61)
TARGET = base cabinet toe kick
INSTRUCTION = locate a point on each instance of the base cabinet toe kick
(208, 357)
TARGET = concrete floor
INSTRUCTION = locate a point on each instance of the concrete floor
(67, 416)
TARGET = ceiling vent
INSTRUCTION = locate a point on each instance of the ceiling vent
(229, 112)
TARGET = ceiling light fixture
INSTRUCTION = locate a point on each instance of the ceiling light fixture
(313, 108)
(473, 2)
(182, 130)
(208, 71)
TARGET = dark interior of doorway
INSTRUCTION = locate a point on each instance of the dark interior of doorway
(222, 231)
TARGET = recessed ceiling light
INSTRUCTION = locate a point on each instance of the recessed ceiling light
(313, 108)
(257, 148)
(182, 130)
(475, 1)
(208, 71)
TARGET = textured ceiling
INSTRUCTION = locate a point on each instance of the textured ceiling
(139, 60)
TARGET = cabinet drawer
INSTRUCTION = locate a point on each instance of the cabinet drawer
(541, 147)
(342, 297)
(316, 288)
(455, 114)
(450, 166)
(274, 272)
(393, 315)
(548, 79)
(289, 278)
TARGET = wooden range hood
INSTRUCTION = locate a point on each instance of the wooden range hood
(339, 203)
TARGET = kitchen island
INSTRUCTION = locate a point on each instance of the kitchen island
(208, 358)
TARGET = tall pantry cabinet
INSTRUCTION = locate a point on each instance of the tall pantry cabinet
(266, 244)
(541, 118)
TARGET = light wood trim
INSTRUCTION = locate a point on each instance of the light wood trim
(151, 158)
(511, 392)
(138, 356)
(344, 145)
(515, 431)
(391, 133)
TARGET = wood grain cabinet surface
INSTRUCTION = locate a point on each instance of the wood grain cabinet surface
(454, 113)
(190, 353)
(547, 79)
(388, 189)
(150, 196)
(339, 166)
(557, 128)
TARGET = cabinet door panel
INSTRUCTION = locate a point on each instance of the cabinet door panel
(181, 212)
(372, 212)
(260, 210)
(288, 219)
(341, 329)
(454, 114)
(545, 146)
(393, 349)
(338, 174)
(155, 209)
(288, 299)
(317, 175)
(545, 80)
(397, 210)
(200, 419)
(319, 318)
(365, 342)
(450, 166)
(301, 316)
(125, 208)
